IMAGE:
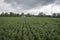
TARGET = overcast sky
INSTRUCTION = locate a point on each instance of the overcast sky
(30, 6)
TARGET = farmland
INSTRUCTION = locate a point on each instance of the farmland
(29, 28)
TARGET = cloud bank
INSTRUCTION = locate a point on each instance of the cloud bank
(29, 4)
(32, 6)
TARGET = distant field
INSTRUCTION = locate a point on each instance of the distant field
(29, 28)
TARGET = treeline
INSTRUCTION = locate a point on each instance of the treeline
(41, 14)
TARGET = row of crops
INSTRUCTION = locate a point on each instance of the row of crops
(19, 28)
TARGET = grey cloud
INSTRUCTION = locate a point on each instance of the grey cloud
(57, 2)
(28, 4)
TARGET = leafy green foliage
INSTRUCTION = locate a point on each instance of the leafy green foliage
(41, 14)
(29, 28)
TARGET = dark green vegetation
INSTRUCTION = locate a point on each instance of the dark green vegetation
(41, 14)
(29, 28)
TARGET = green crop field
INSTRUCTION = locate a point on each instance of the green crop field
(29, 28)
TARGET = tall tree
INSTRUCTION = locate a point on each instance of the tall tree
(28, 15)
(2, 14)
(12, 14)
(6, 14)
(22, 14)
(58, 14)
(54, 14)
(41, 14)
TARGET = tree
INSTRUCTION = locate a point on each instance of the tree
(58, 14)
(28, 15)
(2, 14)
(6, 14)
(54, 15)
(12, 14)
(41, 14)
(22, 14)
(17, 15)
